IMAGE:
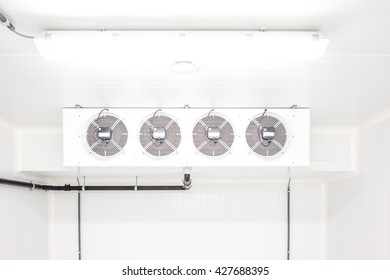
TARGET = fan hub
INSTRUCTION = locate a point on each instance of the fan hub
(267, 133)
(159, 133)
(107, 136)
(214, 133)
(104, 134)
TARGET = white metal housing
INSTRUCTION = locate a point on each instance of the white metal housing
(77, 152)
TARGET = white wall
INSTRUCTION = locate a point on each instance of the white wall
(308, 221)
(221, 221)
(23, 214)
(24, 224)
(359, 208)
(7, 159)
(236, 219)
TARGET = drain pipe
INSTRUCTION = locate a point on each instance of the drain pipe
(91, 188)
(79, 221)
(79, 215)
(288, 217)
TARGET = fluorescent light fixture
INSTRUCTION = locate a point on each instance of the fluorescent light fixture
(169, 47)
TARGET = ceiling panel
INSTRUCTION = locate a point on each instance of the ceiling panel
(348, 85)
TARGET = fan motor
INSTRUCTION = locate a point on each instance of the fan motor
(107, 136)
(159, 133)
(214, 133)
(104, 134)
(267, 133)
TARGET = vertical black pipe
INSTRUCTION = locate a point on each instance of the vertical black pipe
(288, 219)
(79, 222)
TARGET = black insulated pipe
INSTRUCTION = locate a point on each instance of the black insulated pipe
(2, 18)
(88, 188)
(79, 221)
(79, 217)
(288, 219)
(12, 28)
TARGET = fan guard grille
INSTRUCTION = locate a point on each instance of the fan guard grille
(209, 147)
(172, 136)
(253, 137)
(118, 139)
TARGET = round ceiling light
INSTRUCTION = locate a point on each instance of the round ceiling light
(183, 67)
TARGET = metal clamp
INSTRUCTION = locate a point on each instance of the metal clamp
(187, 181)
(33, 186)
(136, 183)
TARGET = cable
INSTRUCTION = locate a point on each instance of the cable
(99, 128)
(206, 129)
(266, 146)
(261, 119)
(208, 115)
(5, 21)
(105, 109)
(155, 115)
(23, 35)
(159, 142)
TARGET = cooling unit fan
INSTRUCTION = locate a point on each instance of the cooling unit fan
(213, 135)
(160, 135)
(266, 135)
(106, 135)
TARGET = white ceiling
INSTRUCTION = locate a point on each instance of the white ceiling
(349, 84)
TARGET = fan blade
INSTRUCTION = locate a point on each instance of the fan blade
(277, 144)
(148, 145)
(115, 124)
(203, 124)
(95, 124)
(202, 145)
(148, 123)
(169, 124)
(170, 144)
(223, 124)
(94, 145)
(223, 144)
(116, 144)
(255, 145)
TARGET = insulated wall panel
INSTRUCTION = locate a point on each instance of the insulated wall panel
(23, 213)
(358, 208)
(211, 221)
(24, 224)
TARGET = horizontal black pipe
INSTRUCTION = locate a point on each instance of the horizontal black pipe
(88, 188)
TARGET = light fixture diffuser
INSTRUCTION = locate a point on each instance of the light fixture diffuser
(169, 47)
